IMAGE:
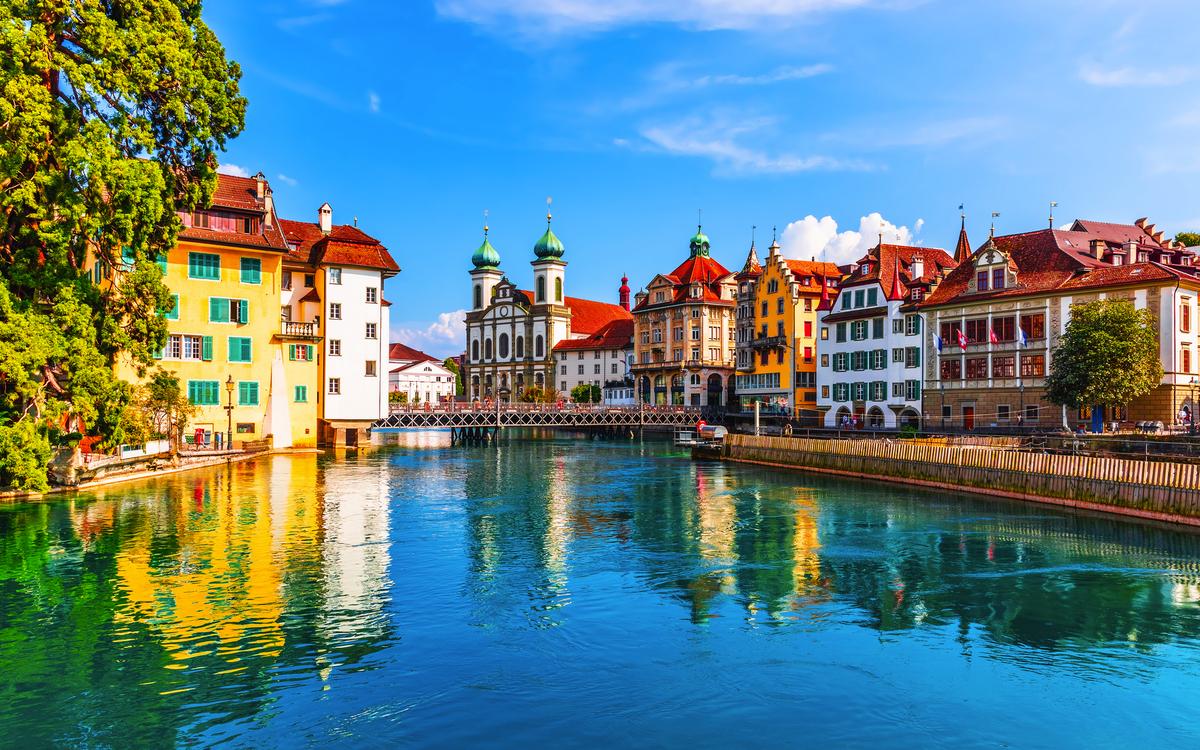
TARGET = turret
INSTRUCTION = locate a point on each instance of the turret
(486, 273)
(624, 292)
(549, 270)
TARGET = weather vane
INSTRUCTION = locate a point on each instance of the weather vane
(1052, 205)
(994, 215)
(752, 228)
(485, 222)
(548, 212)
(699, 216)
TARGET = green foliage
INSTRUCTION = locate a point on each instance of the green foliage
(159, 409)
(110, 122)
(1191, 239)
(1108, 356)
(459, 386)
(397, 397)
(539, 395)
(908, 432)
(583, 394)
(24, 455)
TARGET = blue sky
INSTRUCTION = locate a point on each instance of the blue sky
(417, 116)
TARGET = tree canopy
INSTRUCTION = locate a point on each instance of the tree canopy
(452, 366)
(1190, 239)
(111, 121)
(1107, 356)
(583, 394)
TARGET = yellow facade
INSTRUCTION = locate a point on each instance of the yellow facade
(787, 296)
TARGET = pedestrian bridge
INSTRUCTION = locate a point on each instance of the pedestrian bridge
(480, 421)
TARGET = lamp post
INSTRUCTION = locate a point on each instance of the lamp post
(1021, 414)
(1192, 411)
(942, 386)
(229, 413)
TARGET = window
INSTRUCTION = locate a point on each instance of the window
(977, 332)
(335, 386)
(1185, 315)
(371, 330)
(997, 278)
(174, 348)
(173, 313)
(872, 297)
(912, 356)
(714, 332)
(824, 333)
(841, 333)
(239, 349)
(981, 281)
(478, 296)
(222, 310)
(197, 347)
(335, 276)
(251, 271)
(947, 411)
(877, 328)
(581, 369)
(897, 325)
(950, 333)
(845, 300)
(824, 391)
(285, 313)
(1033, 365)
(807, 304)
(558, 290)
(917, 293)
(614, 368)
(898, 354)
(595, 369)
(247, 391)
(677, 333)
(487, 349)
(824, 360)
(1031, 412)
(1004, 328)
(204, 392)
(764, 309)
(1002, 413)
(335, 348)
(301, 394)
(370, 368)
(878, 390)
(541, 289)
(1004, 367)
(695, 333)
(879, 359)
(204, 266)
(779, 329)
(658, 297)
(300, 352)
(538, 346)
(858, 330)
(1034, 326)
(520, 347)
(951, 369)
(310, 280)
(372, 295)
(285, 281)
(1185, 360)
(779, 306)
(335, 311)
(912, 325)
(657, 335)
(977, 368)
(808, 329)
(841, 391)
(860, 391)
(912, 390)
(859, 298)
(858, 360)
(841, 362)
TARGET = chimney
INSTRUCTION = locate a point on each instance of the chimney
(325, 218)
(261, 179)
(269, 207)
(917, 268)
(1140, 223)
(1098, 248)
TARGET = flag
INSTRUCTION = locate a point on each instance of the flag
(993, 336)
(938, 342)
(962, 339)
(1021, 337)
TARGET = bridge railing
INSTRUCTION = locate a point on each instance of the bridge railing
(454, 407)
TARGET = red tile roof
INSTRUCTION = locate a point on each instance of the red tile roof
(962, 250)
(891, 261)
(402, 353)
(344, 245)
(312, 296)
(812, 268)
(240, 194)
(587, 316)
(615, 335)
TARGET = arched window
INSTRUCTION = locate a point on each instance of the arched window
(695, 380)
(540, 378)
(541, 289)
(558, 290)
(520, 347)
(487, 349)
(537, 347)
(478, 296)
(659, 381)
(475, 350)
(504, 346)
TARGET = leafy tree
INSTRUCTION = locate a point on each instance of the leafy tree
(583, 394)
(159, 409)
(1108, 356)
(452, 366)
(540, 395)
(397, 397)
(111, 120)
(1191, 239)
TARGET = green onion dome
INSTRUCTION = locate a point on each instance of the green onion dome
(548, 246)
(486, 256)
(699, 244)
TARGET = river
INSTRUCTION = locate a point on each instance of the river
(552, 591)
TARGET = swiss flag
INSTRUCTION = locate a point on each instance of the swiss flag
(962, 339)
(995, 338)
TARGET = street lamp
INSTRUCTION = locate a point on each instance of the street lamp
(229, 413)
(1192, 411)
(942, 386)
(1021, 414)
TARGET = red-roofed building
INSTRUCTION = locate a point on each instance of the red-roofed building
(869, 375)
(685, 333)
(332, 294)
(518, 340)
(995, 321)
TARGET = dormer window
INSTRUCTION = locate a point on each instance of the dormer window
(866, 269)
(981, 281)
(997, 278)
(916, 294)
(1143, 256)
(806, 281)
(658, 296)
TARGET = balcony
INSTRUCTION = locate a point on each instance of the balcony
(696, 364)
(289, 329)
(769, 342)
(647, 367)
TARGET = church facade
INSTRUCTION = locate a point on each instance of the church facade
(512, 333)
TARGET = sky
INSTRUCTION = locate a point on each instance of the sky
(823, 121)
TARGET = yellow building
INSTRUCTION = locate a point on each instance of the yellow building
(777, 352)
(227, 344)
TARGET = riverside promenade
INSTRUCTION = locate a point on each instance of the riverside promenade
(1160, 490)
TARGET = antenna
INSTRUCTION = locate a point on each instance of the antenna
(752, 228)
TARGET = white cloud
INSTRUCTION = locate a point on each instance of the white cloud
(373, 101)
(718, 140)
(233, 170)
(576, 15)
(1096, 75)
(785, 73)
(288, 180)
(297, 22)
(444, 337)
(812, 237)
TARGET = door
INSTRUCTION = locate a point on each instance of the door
(1097, 419)
(968, 417)
(351, 438)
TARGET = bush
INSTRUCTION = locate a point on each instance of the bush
(24, 455)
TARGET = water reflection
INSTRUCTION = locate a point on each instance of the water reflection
(552, 589)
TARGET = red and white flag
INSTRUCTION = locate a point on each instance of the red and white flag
(995, 338)
(962, 339)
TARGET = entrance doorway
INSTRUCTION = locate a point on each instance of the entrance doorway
(351, 437)
(968, 417)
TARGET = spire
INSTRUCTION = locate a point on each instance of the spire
(897, 287)
(752, 264)
(962, 250)
(624, 292)
(825, 303)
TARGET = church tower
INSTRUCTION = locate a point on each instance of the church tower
(485, 275)
(549, 270)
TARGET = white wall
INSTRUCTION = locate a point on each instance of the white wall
(361, 397)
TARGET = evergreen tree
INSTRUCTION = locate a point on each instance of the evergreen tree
(111, 120)
(1108, 356)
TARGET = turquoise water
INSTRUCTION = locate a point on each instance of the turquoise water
(561, 592)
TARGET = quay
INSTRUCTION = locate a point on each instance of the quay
(474, 423)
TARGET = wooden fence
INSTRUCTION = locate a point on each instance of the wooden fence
(1154, 489)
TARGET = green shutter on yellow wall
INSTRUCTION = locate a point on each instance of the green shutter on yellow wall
(292, 352)
(206, 348)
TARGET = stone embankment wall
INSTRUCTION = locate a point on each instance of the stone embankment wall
(1150, 489)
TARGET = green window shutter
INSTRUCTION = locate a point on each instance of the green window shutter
(173, 313)
(159, 354)
(218, 310)
(243, 391)
(292, 352)
(251, 271)
(128, 259)
(872, 297)
(309, 352)
(247, 355)
(243, 311)
(192, 391)
(301, 394)
(206, 349)
(254, 393)
(162, 263)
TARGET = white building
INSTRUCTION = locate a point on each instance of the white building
(422, 378)
(334, 275)
(869, 368)
(512, 333)
(602, 360)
